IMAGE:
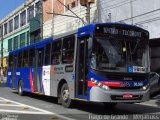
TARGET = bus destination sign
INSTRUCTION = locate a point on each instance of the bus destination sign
(120, 31)
(115, 31)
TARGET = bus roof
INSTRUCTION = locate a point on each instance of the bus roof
(34, 45)
(82, 31)
(89, 29)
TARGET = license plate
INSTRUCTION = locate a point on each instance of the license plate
(127, 96)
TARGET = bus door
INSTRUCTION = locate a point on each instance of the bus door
(14, 70)
(81, 67)
(38, 70)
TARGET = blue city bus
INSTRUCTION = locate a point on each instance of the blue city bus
(100, 62)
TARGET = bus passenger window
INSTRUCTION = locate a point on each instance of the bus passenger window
(25, 58)
(10, 61)
(31, 57)
(19, 60)
(68, 50)
(47, 54)
(56, 52)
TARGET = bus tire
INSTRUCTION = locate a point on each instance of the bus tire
(64, 96)
(109, 105)
(20, 88)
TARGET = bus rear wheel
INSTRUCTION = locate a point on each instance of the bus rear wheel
(20, 88)
(64, 96)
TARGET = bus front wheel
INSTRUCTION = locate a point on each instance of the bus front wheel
(20, 88)
(64, 96)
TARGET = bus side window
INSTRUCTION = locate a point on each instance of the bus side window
(47, 54)
(31, 56)
(19, 63)
(10, 61)
(68, 49)
(15, 60)
(25, 58)
(56, 52)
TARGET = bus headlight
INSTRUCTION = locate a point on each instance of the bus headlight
(105, 87)
(99, 84)
(145, 87)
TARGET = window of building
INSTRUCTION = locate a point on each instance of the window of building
(22, 40)
(47, 54)
(67, 7)
(30, 13)
(38, 8)
(35, 36)
(28, 37)
(16, 22)
(11, 25)
(73, 4)
(19, 63)
(1, 31)
(25, 58)
(68, 50)
(31, 56)
(56, 52)
(10, 45)
(23, 18)
(16, 42)
(5, 28)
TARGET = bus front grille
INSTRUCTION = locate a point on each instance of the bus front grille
(120, 97)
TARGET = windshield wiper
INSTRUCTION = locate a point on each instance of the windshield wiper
(135, 47)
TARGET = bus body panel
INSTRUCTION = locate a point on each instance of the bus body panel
(58, 73)
(119, 87)
(24, 75)
(9, 77)
(25, 72)
(99, 95)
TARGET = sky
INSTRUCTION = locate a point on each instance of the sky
(7, 6)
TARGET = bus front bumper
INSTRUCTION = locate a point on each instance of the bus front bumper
(100, 95)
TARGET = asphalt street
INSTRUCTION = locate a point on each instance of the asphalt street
(37, 107)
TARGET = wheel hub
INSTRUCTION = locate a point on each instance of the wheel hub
(20, 89)
(65, 95)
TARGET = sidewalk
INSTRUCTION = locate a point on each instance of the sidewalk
(2, 84)
(3, 81)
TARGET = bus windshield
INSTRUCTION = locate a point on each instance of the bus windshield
(116, 55)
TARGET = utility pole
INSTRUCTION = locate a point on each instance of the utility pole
(1, 52)
(41, 20)
(99, 11)
(87, 4)
(88, 12)
(52, 18)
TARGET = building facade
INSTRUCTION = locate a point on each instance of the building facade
(21, 27)
(61, 23)
(143, 13)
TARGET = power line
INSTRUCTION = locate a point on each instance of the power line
(149, 20)
(140, 15)
(72, 12)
